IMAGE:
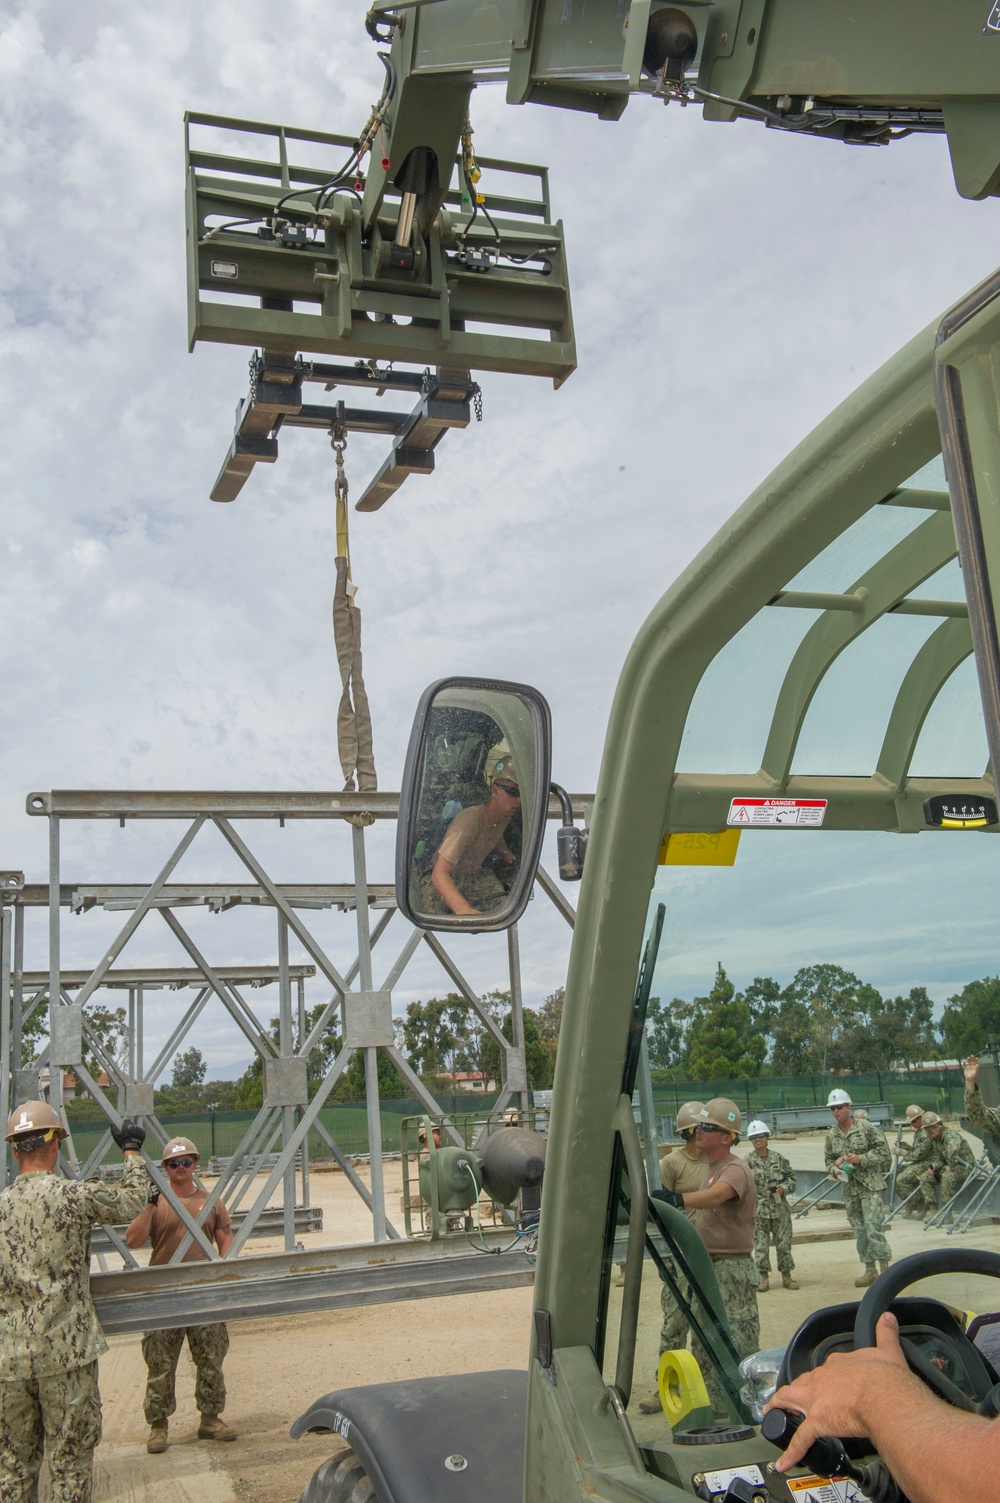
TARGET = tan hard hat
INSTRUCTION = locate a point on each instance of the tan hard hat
(178, 1146)
(32, 1119)
(721, 1112)
(687, 1115)
(505, 772)
(931, 1119)
(912, 1112)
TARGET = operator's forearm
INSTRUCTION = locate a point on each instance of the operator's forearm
(937, 1454)
(704, 1200)
(442, 880)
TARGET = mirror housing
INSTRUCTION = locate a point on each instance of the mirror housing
(473, 805)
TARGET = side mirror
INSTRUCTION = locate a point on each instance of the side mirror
(473, 805)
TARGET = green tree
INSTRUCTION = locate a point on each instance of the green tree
(189, 1069)
(108, 1030)
(793, 1044)
(972, 1017)
(763, 997)
(887, 1032)
(538, 1056)
(667, 1033)
(550, 1016)
(250, 1086)
(722, 1043)
(353, 1086)
(430, 1035)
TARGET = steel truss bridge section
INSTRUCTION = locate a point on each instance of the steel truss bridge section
(278, 1136)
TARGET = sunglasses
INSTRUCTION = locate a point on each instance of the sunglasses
(506, 788)
(178, 1163)
(710, 1127)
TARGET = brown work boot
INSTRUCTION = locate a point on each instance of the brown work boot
(651, 1405)
(788, 1281)
(868, 1277)
(157, 1441)
(213, 1428)
(762, 1287)
(883, 1266)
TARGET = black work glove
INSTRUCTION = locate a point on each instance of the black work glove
(131, 1135)
(670, 1196)
(154, 1194)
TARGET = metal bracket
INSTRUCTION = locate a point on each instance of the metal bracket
(66, 1043)
(368, 1021)
(285, 1082)
(275, 401)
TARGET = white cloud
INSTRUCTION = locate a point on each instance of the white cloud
(730, 286)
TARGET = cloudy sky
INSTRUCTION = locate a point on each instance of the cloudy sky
(730, 286)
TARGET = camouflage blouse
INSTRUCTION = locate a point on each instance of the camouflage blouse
(864, 1139)
(768, 1173)
(48, 1323)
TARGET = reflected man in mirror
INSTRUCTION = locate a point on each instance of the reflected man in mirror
(464, 876)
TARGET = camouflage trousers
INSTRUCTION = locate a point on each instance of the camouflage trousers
(61, 1415)
(208, 1346)
(738, 1279)
(773, 1224)
(674, 1330)
(910, 1179)
(866, 1213)
(481, 888)
(950, 1181)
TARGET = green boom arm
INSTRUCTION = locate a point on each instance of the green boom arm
(861, 71)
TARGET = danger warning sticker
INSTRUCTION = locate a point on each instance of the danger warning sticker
(825, 1490)
(777, 811)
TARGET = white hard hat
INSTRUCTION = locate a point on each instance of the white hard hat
(839, 1098)
(758, 1129)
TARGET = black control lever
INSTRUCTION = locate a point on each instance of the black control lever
(826, 1457)
(826, 1454)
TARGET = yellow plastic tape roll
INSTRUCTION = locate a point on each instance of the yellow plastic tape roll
(682, 1387)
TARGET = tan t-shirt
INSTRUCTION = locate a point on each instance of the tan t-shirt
(167, 1231)
(682, 1173)
(468, 840)
(727, 1229)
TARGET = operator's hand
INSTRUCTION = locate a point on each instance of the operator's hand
(829, 1395)
(852, 1158)
(971, 1068)
(130, 1136)
(670, 1196)
(779, 1190)
(154, 1194)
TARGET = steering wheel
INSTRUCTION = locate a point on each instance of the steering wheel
(899, 1276)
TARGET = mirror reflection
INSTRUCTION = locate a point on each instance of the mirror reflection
(476, 812)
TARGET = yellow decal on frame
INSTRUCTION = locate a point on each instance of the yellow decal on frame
(700, 848)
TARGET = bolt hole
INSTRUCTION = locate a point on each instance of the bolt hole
(751, 36)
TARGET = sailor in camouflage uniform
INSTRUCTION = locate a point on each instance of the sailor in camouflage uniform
(861, 1155)
(774, 1178)
(50, 1338)
(160, 1224)
(952, 1163)
(986, 1118)
(920, 1159)
(725, 1222)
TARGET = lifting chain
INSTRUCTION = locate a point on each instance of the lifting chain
(477, 402)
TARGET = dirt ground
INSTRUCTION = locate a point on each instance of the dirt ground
(277, 1367)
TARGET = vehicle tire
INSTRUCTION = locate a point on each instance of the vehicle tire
(342, 1479)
